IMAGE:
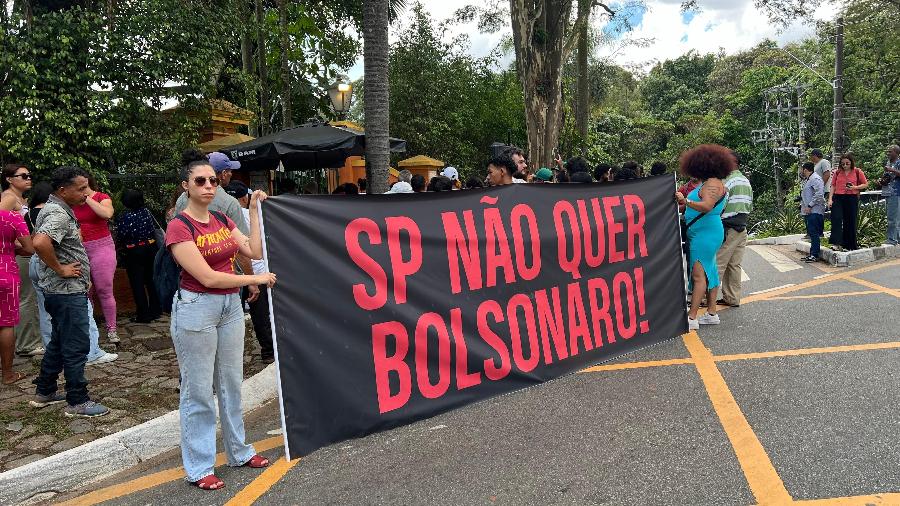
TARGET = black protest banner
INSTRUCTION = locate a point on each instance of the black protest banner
(393, 308)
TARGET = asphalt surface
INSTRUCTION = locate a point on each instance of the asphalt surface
(651, 435)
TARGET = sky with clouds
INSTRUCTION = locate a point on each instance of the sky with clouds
(730, 25)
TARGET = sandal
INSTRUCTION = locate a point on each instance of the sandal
(257, 462)
(17, 376)
(211, 482)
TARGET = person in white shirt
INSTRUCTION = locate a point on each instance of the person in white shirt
(259, 306)
(822, 168)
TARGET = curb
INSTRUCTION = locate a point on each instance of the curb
(108, 455)
(851, 258)
(781, 240)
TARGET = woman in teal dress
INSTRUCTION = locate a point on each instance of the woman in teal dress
(710, 164)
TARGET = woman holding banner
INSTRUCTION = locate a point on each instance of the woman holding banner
(208, 325)
(710, 164)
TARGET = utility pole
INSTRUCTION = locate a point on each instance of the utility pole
(838, 125)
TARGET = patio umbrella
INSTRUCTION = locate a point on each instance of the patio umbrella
(305, 147)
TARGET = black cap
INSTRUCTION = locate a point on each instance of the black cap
(236, 189)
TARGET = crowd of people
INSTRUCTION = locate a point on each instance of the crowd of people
(211, 250)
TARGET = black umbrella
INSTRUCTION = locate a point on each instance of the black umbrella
(306, 147)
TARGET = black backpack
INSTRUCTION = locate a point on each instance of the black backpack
(167, 272)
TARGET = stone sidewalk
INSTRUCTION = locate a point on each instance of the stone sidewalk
(141, 385)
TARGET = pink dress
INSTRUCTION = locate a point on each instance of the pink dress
(12, 226)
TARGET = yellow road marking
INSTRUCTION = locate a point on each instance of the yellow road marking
(807, 351)
(882, 289)
(156, 479)
(825, 295)
(638, 365)
(860, 500)
(262, 483)
(762, 478)
(816, 282)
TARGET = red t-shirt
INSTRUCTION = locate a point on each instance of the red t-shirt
(216, 244)
(93, 227)
(839, 181)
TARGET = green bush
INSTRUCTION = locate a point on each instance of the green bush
(784, 222)
(871, 225)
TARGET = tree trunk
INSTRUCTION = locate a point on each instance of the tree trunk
(583, 95)
(543, 37)
(287, 110)
(250, 102)
(376, 93)
(111, 14)
(261, 67)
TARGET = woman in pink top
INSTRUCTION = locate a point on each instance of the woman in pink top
(93, 217)
(12, 230)
(846, 183)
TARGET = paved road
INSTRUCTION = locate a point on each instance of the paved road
(791, 399)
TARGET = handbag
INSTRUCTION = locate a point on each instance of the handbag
(685, 239)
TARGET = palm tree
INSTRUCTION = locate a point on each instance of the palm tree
(377, 15)
(376, 95)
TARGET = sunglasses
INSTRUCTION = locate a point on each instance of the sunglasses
(25, 177)
(201, 180)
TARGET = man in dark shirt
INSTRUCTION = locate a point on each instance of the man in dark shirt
(64, 276)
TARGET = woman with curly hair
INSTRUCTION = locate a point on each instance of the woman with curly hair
(710, 164)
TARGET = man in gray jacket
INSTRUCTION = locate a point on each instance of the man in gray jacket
(812, 202)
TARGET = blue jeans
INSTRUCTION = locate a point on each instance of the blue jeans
(815, 225)
(208, 333)
(95, 351)
(893, 218)
(68, 347)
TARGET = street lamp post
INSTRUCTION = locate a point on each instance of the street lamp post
(341, 96)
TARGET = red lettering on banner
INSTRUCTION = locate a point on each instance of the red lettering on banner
(493, 372)
(435, 321)
(550, 321)
(361, 296)
(497, 255)
(515, 334)
(567, 264)
(578, 327)
(385, 364)
(464, 379)
(626, 330)
(599, 307)
(520, 212)
(634, 210)
(613, 228)
(643, 325)
(462, 248)
(403, 268)
(592, 257)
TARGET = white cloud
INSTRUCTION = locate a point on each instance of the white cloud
(728, 25)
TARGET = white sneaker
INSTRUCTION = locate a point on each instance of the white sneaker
(37, 351)
(105, 358)
(113, 337)
(709, 319)
(693, 324)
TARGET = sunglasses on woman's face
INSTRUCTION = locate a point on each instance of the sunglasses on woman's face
(201, 180)
(25, 177)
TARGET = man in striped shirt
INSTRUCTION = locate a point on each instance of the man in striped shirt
(731, 254)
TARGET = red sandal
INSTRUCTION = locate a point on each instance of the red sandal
(257, 462)
(211, 482)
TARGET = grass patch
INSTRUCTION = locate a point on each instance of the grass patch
(46, 421)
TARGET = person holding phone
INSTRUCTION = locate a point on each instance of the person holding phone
(848, 181)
